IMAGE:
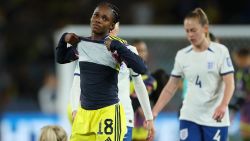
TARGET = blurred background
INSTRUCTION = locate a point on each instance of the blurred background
(29, 32)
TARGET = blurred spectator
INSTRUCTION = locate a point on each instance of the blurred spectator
(142, 13)
(53, 133)
(161, 78)
(47, 94)
(241, 98)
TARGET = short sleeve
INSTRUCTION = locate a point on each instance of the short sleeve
(226, 65)
(177, 70)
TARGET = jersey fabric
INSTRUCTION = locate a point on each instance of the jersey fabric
(99, 77)
(203, 72)
(104, 124)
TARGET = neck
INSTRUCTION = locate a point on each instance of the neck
(95, 36)
(203, 46)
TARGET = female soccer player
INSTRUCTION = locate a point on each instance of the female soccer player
(208, 70)
(101, 116)
(123, 93)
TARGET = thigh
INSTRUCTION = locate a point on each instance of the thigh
(128, 135)
(215, 133)
(81, 128)
(111, 123)
(190, 131)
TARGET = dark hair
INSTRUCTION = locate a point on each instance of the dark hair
(212, 37)
(115, 10)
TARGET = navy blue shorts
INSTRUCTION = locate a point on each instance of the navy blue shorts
(128, 135)
(190, 131)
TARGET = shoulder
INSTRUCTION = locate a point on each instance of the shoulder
(218, 48)
(184, 51)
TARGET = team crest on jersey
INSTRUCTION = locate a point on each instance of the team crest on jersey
(229, 62)
(184, 134)
(210, 65)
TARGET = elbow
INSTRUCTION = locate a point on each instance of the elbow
(141, 70)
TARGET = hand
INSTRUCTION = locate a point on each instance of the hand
(149, 125)
(71, 38)
(219, 112)
(74, 115)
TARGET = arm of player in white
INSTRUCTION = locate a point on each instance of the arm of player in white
(141, 90)
(166, 94)
(142, 94)
(228, 93)
(75, 89)
(75, 93)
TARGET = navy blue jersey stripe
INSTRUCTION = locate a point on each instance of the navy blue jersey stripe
(178, 76)
(226, 73)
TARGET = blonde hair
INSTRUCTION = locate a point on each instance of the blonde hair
(53, 133)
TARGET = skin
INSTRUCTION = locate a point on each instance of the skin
(142, 50)
(101, 23)
(196, 35)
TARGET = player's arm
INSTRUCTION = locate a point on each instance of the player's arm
(75, 91)
(166, 94)
(143, 98)
(132, 60)
(228, 93)
(66, 54)
(75, 94)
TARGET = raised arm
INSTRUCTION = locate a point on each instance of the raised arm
(132, 60)
(66, 54)
(166, 94)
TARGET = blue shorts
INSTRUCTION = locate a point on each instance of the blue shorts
(190, 131)
(128, 135)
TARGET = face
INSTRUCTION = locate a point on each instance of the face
(242, 61)
(101, 21)
(196, 33)
(142, 50)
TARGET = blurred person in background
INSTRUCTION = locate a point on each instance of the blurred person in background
(241, 99)
(53, 133)
(161, 78)
(208, 69)
(47, 94)
(139, 131)
(101, 116)
(123, 92)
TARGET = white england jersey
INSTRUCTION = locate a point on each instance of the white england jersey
(205, 88)
(124, 90)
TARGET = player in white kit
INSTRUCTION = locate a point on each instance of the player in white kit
(123, 92)
(208, 69)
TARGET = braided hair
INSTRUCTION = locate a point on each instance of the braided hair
(115, 10)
